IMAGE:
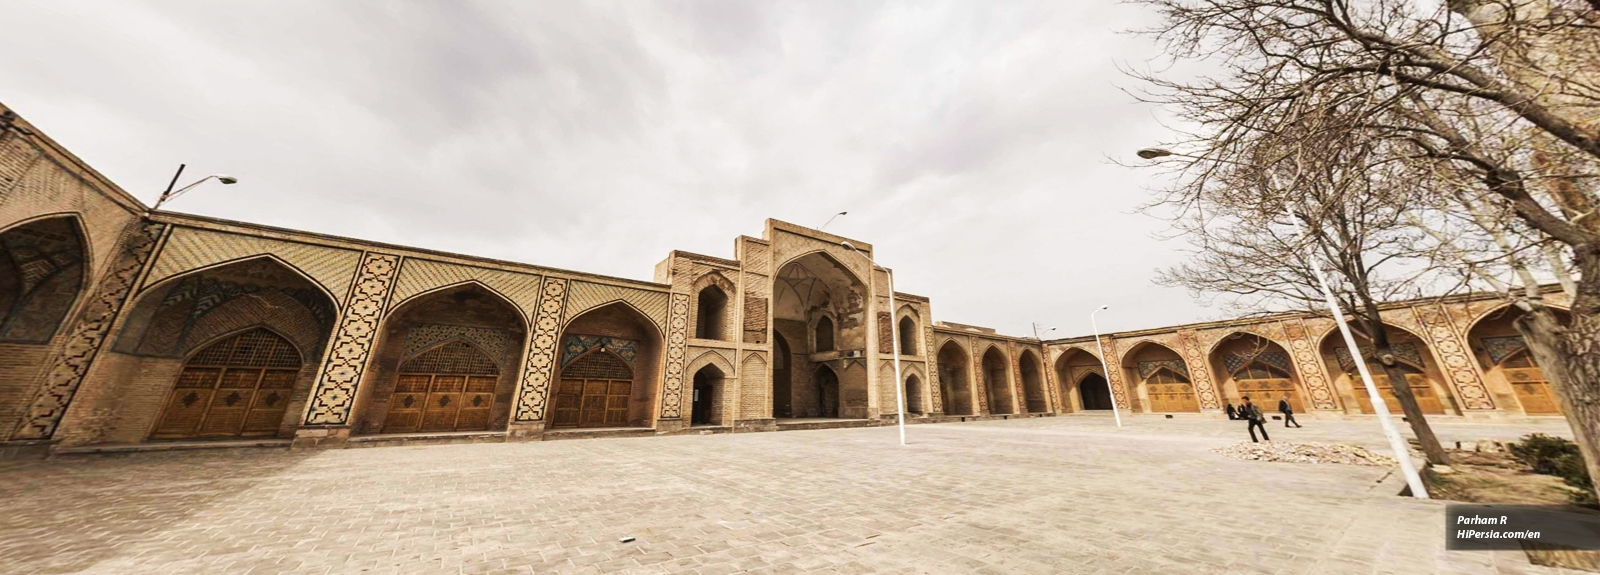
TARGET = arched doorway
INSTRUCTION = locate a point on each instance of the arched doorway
(610, 359)
(168, 324)
(236, 387)
(782, 378)
(955, 390)
(908, 336)
(1072, 367)
(827, 394)
(1410, 353)
(1509, 369)
(996, 383)
(913, 395)
(706, 406)
(1032, 386)
(1256, 367)
(1093, 392)
(437, 350)
(1163, 379)
(447, 388)
(710, 311)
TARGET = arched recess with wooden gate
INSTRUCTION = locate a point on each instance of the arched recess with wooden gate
(1163, 378)
(610, 370)
(1410, 353)
(236, 387)
(1508, 366)
(1256, 367)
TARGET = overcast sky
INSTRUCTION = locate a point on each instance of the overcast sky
(970, 142)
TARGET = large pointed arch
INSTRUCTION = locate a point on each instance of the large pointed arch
(995, 372)
(1162, 376)
(44, 271)
(465, 314)
(1073, 366)
(627, 397)
(1247, 364)
(1411, 352)
(955, 379)
(1031, 371)
(1508, 367)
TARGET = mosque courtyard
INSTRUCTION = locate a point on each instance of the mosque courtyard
(1069, 494)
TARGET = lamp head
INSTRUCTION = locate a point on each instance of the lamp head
(226, 179)
(847, 245)
(1153, 153)
(1105, 307)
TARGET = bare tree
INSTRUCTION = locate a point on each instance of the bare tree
(1490, 105)
(1349, 199)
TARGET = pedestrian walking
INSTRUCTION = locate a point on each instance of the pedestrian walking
(1288, 412)
(1253, 414)
(1232, 413)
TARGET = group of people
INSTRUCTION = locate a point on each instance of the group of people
(1252, 413)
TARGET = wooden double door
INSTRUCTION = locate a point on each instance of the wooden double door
(1266, 393)
(1532, 389)
(1427, 399)
(448, 388)
(1170, 393)
(592, 403)
(237, 387)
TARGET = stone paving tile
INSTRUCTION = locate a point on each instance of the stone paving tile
(1069, 494)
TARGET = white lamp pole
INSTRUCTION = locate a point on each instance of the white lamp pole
(894, 344)
(170, 194)
(1116, 413)
(1397, 443)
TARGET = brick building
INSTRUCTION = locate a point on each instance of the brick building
(122, 326)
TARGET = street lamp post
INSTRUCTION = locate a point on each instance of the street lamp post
(1396, 442)
(894, 343)
(169, 194)
(1115, 412)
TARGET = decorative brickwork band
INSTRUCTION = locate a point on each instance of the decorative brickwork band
(982, 380)
(933, 372)
(1019, 391)
(1198, 373)
(335, 391)
(535, 390)
(1114, 379)
(1305, 359)
(677, 347)
(89, 333)
(1047, 374)
(1445, 340)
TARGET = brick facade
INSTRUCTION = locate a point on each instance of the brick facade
(124, 296)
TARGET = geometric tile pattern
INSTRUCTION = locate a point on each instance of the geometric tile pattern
(934, 393)
(541, 351)
(335, 392)
(498, 343)
(677, 342)
(1146, 368)
(418, 275)
(67, 370)
(1200, 375)
(190, 248)
(586, 296)
(1500, 348)
(1114, 379)
(1447, 343)
(575, 345)
(981, 382)
(1305, 356)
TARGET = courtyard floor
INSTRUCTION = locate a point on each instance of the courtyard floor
(1069, 494)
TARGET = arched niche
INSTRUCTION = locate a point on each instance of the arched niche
(482, 326)
(996, 375)
(625, 378)
(1163, 379)
(1413, 356)
(1510, 372)
(169, 322)
(706, 396)
(955, 386)
(1247, 364)
(1082, 381)
(43, 266)
(908, 330)
(713, 316)
(913, 394)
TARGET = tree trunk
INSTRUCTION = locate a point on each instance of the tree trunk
(1569, 356)
(1408, 405)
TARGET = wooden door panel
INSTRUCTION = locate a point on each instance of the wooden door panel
(474, 415)
(183, 414)
(228, 408)
(439, 414)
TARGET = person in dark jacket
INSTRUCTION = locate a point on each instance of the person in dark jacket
(1287, 411)
(1232, 413)
(1253, 414)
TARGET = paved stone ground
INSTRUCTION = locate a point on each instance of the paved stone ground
(1070, 494)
